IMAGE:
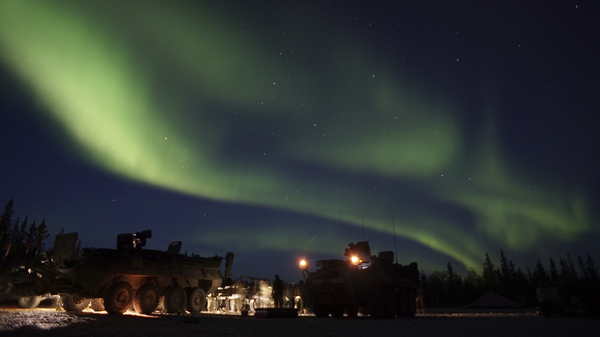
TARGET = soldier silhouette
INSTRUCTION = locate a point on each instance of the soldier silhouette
(278, 292)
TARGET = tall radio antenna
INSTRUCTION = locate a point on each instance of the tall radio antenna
(363, 220)
(394, 231)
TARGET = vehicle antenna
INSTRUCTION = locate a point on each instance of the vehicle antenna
(394, 231)
(363, 219)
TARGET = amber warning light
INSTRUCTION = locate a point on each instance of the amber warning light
(303, 264)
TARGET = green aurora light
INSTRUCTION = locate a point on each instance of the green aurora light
(103, 79)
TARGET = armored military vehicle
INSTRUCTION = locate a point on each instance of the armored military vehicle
(115, 279)
(373, 285)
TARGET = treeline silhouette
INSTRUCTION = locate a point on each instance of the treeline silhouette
(576, 283)
(19, 240)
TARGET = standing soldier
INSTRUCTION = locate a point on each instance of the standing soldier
(278, 292)
(421, 301)
(299, 296)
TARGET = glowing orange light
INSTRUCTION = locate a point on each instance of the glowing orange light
(303, 264)
(355, 260)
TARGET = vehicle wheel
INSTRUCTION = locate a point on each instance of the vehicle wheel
(146, 299)
(377, 304)
(97, 304)
(402, 303)
(118, 298)
(352, 310)
(196, 300)
(546, 308)
(364, 310)
(55, 301)
(412, 303)
(390, 304)
(320, 310)
(29, 302)
(337, 311)
(75, 303)
(174, 299)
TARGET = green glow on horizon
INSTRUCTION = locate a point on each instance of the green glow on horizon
(508, 209)
(101, 82)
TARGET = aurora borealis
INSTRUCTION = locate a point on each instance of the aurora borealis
(277, 130)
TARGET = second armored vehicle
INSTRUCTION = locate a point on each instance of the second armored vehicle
(373, 285)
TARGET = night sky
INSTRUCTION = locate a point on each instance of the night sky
(280, 130)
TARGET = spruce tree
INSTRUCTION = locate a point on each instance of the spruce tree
(504, 270)
(5, 223)
(451, 273)
(505, 276)
(521, 285)
(567, 275)
(472, 285)
(30, 234)
(473, 277)
(41, 235)
(13, 233)
(590, 266)
(583, 269)
(452, 286)
(512, 269)
(18, 234)
(540, 275)
(489, 273)
(530, 277)
(553, 272)
(572, 267)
